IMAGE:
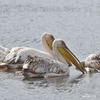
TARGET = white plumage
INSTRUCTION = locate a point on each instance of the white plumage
(42, 67)
(21, 55)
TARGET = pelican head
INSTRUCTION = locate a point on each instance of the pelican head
(63, 53)
(47, 41)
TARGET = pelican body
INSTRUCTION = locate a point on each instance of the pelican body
(92, 63)
(41, 67)
(21, 55)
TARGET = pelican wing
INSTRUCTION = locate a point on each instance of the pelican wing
(46, 67)
(22, 54)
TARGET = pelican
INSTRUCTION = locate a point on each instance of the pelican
(42, 67)
(18, 55)
(92, 63)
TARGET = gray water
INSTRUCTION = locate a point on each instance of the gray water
(77, 22)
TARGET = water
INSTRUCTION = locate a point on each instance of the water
(77, 22)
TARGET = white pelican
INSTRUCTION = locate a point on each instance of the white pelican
(42, 67)
(18, 55)
(92, 63)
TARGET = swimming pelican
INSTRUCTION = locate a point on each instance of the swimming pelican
(42, 67)
(18, 55)
(92, 63)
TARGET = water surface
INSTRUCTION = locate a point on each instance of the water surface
(77, 22)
